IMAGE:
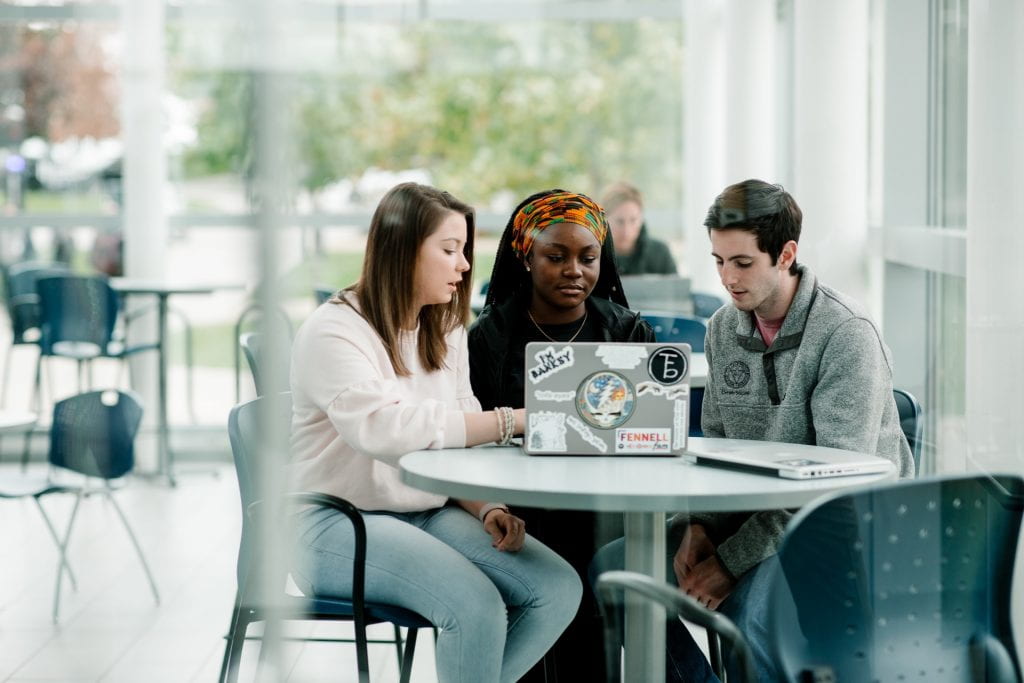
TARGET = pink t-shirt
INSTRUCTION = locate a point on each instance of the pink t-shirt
(768, 328)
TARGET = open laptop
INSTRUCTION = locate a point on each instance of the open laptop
(799, 462)
(657, 293)
(597, 398)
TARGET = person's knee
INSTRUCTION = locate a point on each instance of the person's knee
(609, 558)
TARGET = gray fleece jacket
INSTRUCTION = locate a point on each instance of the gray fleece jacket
(825, 380)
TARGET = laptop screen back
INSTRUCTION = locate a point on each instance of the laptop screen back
(595, 398)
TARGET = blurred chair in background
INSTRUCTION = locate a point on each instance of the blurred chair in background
(92, 434)
(910, 421)
(684, 329)
(705, 305)
(22, 302)
(78, 315)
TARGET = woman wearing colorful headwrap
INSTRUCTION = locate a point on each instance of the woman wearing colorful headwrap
(554, 280)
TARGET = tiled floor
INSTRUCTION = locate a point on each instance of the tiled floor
(110, 629)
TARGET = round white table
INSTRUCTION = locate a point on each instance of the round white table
(163, 291)
(644, 488)
(15, 421)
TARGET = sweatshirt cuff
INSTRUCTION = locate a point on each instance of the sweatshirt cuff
(454, 430)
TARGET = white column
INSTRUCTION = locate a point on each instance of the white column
(143, 213)
(703, 134)
(830, 95)
(751, 91)
(995, 214)
(142, 131)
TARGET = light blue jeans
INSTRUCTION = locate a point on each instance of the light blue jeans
(497, 613)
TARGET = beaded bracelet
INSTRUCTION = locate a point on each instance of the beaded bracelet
(506, 424)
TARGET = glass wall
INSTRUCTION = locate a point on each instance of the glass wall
(492, 101)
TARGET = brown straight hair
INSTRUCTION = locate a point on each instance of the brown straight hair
(405, 217)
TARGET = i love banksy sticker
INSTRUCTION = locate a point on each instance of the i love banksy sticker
(549, 362)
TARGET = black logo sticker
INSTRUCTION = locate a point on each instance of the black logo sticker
(667, 365)
(737, 374)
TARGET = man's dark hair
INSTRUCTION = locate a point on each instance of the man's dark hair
(764, 209)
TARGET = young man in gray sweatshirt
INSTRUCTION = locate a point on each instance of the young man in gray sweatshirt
(791, 360)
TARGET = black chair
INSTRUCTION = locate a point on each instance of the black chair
(322, 293)
(911, 423)
(904, 581)
(92, 434)
(696, 405)
(705, 305)
(678, 328)
(245, 430)
(78, 315)
(22, 302)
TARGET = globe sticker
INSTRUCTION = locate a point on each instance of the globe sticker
(667, 365)
(605, 399)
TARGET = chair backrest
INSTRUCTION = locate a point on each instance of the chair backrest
(705, 305)
(254, 346)
(22, 298)
(696, 406)
(94, 433)
(905, 581)
(910, 422)
(77, 308)
(246, 430)
(669, 328)
(322, 293)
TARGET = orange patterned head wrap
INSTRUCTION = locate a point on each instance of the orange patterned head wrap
(552, 209)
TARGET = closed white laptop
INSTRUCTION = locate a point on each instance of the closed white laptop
(596, 398)
(785, 460)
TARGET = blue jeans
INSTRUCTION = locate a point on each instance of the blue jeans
(497, 613)
(746, 606)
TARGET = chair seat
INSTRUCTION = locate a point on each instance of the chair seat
(77, 350)
(301, 607)
(16, 485)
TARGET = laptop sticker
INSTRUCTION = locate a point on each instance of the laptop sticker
(621, 356)
(605, 399)
(549, 362)
(680, 416)
(654, 389)
(557, 396)
(650, 440)
(667, 365)
(585, 433)
(547, 432)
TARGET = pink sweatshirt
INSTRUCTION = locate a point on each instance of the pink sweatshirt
(353, 418)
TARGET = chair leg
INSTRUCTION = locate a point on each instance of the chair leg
(7, 376)
(189, 366)
(715, 656)
(398, 644)
(63, 553)
(235, 643)
(410, 649)
(64, 565)
(362, 657)
(135, 542)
